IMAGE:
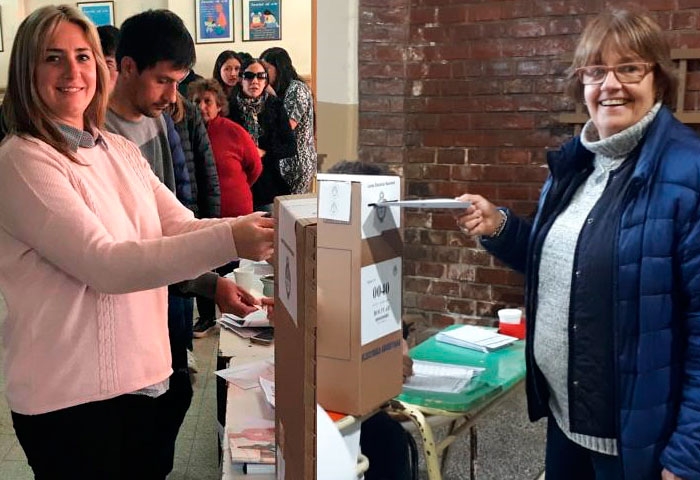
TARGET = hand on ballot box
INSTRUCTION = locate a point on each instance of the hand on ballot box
(230, 298)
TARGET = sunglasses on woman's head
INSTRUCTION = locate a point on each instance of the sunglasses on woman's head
(251, 75)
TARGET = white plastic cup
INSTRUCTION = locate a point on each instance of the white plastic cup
(510, 315)
(245, 277)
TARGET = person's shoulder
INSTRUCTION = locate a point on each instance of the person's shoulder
(23, 152)
(299, 86)
(226, 126)
(119, 142)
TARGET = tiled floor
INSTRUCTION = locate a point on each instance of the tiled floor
(196, 456)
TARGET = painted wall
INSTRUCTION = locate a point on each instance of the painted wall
(337, 81)
(296, 35)
(296, 29)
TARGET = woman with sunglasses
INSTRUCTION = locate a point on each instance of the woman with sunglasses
(612, 267)
(299, 104)
(265, 119)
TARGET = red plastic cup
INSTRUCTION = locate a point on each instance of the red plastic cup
(511, 322)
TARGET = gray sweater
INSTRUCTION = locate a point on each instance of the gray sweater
(551, 344)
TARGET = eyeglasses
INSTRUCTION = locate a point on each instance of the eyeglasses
(624, 72)
(251, 75)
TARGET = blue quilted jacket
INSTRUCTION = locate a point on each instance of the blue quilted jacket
(657, 297)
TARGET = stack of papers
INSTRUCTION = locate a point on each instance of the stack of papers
(440, 377)
(251, 325)
(475, 338)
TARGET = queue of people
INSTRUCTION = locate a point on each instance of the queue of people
(120, 198)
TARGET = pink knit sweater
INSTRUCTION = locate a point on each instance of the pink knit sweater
(85, 251)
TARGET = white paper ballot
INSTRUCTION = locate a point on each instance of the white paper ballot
(425, 203)
(334, 199)
(440, 377)
(380, 305)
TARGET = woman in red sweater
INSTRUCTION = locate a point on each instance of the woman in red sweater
(235, 154)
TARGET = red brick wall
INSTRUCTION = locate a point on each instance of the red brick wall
(463, 96)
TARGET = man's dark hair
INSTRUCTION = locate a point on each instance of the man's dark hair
(109, 39)
(359, 168)
(154, 36)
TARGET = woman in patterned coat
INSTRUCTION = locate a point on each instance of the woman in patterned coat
(299, 104)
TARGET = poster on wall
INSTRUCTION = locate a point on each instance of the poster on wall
(99, 13)
(262, 20)
(214, 21)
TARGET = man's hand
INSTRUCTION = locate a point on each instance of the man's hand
(231, 298)
(666, 475)
(254, 236)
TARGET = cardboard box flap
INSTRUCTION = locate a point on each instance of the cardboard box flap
(291, 210)
(342, 196)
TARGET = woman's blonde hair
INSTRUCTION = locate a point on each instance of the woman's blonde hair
(622, 31)
(24, 112)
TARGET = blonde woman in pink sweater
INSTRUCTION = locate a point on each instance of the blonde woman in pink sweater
(89, 237)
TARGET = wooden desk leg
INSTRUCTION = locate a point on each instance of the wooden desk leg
(429, 450)
(472, 452)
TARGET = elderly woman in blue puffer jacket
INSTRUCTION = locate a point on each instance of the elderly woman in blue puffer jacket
(612, 265)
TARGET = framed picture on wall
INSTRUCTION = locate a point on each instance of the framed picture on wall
(262, 20)
(214, 21)
(99, 13)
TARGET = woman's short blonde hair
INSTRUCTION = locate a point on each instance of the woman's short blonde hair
(23, 109)
(625, 31)
(203, 85)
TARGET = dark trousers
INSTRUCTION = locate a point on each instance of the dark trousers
(111, 440)
(566, 460)
(171, 409)
(180, 328)
(385, 444)
(172, 406)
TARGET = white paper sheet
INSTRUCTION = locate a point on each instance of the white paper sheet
(380, 293)
(248, 375)
(425, 203)
(334, 200)
(440, 377)
(268, 387)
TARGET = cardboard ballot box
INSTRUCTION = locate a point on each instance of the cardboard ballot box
(358, 350)
(295, 336)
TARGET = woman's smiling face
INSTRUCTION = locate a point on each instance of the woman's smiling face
(615, 106)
